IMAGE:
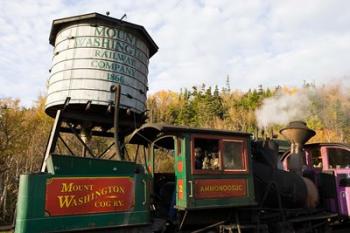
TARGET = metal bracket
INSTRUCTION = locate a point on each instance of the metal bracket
(191, 188)
(144, 192)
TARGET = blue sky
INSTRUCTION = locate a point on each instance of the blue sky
(253, 42)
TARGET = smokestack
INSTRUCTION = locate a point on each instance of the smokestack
(298, 134)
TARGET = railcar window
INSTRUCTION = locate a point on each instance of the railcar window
(232, 155)
(338, 158)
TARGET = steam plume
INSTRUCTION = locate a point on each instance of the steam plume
(283, 108)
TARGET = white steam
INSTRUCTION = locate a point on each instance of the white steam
(283, 108)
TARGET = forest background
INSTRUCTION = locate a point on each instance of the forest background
(24, 131)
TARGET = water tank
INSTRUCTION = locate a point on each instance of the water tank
(92, 52)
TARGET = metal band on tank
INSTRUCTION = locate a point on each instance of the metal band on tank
(134, 94)
(75, 59)
(60, 34)
(58, 42)
(96, 70)
(59, 102)
(84, 101)
(138, 103)
(84, 78)
(57, 58)
(58, 50)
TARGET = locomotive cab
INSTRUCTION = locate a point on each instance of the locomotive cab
(196, 171)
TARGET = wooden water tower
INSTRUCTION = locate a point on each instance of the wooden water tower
(98, 80)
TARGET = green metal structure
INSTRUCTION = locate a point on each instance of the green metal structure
(31, 214)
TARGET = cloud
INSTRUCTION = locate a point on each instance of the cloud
(254, 42)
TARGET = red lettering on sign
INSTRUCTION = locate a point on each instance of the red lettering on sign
(220, 188)
(73, 196)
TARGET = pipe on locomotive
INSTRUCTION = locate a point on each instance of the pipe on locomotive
(298, 134)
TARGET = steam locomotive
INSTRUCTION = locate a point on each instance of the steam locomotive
(215, 181)
(247, 190)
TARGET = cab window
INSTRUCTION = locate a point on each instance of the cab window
(206, 154)
(232, 155)
(217, 155)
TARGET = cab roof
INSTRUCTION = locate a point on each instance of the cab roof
(150, 131)
(333, 144)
